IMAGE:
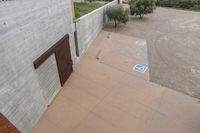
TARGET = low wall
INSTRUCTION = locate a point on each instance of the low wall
(90, 25)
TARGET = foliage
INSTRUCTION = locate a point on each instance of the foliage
(106, 0)
(99, 0)
(196, 7)
(142, 7)
(84, 8)
(90, 0)
(118, 14)
(183, 4)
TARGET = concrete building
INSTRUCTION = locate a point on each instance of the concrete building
(28, 28)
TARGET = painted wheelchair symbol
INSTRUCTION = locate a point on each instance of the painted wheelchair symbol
(141, 42)
(140, 68)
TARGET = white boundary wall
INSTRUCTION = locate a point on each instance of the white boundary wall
(90, 25)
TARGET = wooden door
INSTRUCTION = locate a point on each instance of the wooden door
(6, 126)
(64, 62)
(63, 58)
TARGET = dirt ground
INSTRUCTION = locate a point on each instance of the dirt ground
(173, 39)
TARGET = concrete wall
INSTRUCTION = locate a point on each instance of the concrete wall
(27, 29)
(90, 25)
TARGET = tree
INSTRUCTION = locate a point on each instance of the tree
(118, 14)
(90, 0)
(141, 7)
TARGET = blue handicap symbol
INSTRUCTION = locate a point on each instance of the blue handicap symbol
(139, 68)
(141, 42)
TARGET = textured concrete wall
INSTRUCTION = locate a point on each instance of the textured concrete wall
(90, 25)
(27, 29)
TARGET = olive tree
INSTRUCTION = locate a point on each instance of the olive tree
(141, 7)
(118, 14)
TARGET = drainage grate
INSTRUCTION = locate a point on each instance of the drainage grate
(140, 68)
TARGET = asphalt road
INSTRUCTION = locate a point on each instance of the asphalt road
(173, 39)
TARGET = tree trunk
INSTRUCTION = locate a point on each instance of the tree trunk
(141, 16)
(115, 23)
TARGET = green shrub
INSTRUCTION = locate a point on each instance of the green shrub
(90, 0)
(142, 7)
(183, 4)
(118, 14)
(106, 0)
(196, 7)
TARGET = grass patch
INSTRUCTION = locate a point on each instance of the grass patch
(85, 7)
(195, 10)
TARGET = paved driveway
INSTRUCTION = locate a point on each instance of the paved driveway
(173, 39)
